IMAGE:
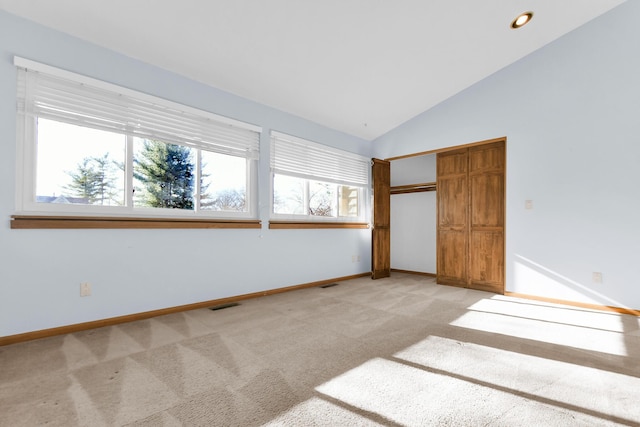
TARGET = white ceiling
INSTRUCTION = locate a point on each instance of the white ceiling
(359, 66)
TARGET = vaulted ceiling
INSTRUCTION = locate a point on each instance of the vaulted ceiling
(359, 66)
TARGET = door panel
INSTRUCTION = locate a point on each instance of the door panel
(486, 157)
(487, 200)
(381, 233)
(486, 264)
(452, 163)
(452, 257)
(381, 253)
(452, 201)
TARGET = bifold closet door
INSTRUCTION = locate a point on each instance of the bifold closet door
(486, 222)
(453, 222)
(381, 233)
(470, 227)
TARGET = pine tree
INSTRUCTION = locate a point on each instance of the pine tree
(94, 180)
(167, 173)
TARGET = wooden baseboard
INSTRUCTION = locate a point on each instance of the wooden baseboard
(619, 310)
(419, 273)
(44, 333)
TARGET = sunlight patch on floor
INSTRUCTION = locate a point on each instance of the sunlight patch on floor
(441, 380)
(544, 331)
(548, 313)
(410, 396)
(564, 383)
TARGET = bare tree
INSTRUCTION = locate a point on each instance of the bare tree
(228, 200)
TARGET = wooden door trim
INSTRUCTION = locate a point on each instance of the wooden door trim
(445, 149)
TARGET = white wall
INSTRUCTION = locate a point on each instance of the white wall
(139, 270)
(570, 112)
(413, 216)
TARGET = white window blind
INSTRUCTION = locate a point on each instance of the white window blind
(305, 159)
(66, 97)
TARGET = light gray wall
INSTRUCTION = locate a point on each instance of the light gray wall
(413, 216)
(139, 270)
(570, 112)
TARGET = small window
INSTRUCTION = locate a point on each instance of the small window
(89, 147)
(312, 182)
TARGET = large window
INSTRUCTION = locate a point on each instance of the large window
(88, 147)
(313, 182)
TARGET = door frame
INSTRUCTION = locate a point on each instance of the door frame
(456, 147)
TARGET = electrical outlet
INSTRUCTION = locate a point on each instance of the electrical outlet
(353, 258)
(528, 204)
(597, 277)
(85, 289)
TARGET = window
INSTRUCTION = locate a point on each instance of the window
(312, 182)
(92, 148)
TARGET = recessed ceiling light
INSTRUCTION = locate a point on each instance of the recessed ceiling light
(522, 20)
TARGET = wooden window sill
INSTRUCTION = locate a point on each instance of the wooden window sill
(280, 225)
(76, 222)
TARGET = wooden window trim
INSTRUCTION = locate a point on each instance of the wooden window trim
(281, 225)
(94, 222)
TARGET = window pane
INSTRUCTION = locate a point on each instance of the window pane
(164, 175)
(322, 199)
(223, 182)
(79, 165)
(348, 201)
(288, 195)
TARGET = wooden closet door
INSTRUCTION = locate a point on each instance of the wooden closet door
(452, 223)
(486, 227)
(470, 229)
(381, 233)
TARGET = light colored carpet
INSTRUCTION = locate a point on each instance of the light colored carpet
(397, 351)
